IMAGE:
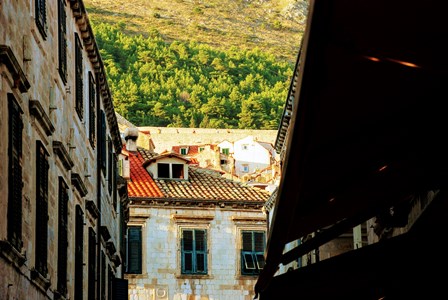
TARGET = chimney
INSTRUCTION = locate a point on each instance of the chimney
(130, 136)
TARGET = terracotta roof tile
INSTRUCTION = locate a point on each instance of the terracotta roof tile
(141, 184)
(202, 184)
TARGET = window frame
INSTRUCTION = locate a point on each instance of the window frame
(171, 170)
(41, 17)
(194, 251)
(92, 110)
(15, 173)
(63, 200)
(253, 254)
(41, 238)
(79, 253)
(79, 78)
(139, 268)
(225, 151)
(62, 40)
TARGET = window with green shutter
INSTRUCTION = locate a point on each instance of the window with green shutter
(42, 167)
(134, 265)
(193, 251)
(15, 185)
(252, 252)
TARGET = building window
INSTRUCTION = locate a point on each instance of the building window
(193, 251)
(252, 252)
(103, 277)
(244, 146)
(92, 119)
(114, 181)
(62, 237)
(201, 149)
(41, 209)
(79, 105)
(62, 40)
(225, 151)
(103, 142)
(246, 168)
(110, 172)
(41, 17)
(183, 151)
(134, 250)
(92, 264)
(223, 162)
(15, 174)
(173, 171)
(79, 257)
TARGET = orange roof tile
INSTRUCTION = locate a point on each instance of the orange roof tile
(202, 184)
(141, 184)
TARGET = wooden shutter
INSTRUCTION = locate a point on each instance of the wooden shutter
(194, 251)
(201, 251)
(109, 165)
(103, 141)
(187, 251)
(41, 17)
(91, 264)
(15, 174)
(41, 209)
(62, 237)
(62, 42)
(135, 250)
(120, 289)
(92, 119)
(79, 258)
(79, 105)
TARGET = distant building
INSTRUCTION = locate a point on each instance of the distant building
(192, 234)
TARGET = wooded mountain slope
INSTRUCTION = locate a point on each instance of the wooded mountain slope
(215, 64)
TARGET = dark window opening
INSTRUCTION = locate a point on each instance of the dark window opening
(41, 17)
(15, 186)
(62, 237)
(178, 170)
(79, 105)
(62, 40)
(79, 246)
(42, 167)
(92, 118)
(163, 170)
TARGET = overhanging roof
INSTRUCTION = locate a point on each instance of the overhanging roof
(367, 127)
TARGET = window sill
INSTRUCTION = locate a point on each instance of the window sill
(39, 280)
(11, 254)
(247, 277)
(194, 276)
(59, 296)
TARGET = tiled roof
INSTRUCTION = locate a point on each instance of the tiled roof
(141, 184)
(202, 185)
(192, 149)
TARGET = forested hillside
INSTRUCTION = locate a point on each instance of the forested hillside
(159, 79)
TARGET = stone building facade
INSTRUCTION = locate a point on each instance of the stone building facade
(61, 206)
(192, 234)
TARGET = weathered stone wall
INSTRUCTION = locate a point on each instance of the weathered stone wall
(162, 278)
(29, 72)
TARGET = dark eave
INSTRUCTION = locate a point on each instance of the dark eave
(367, 127)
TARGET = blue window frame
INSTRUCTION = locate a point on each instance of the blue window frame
(194, 251)
(252, 252)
